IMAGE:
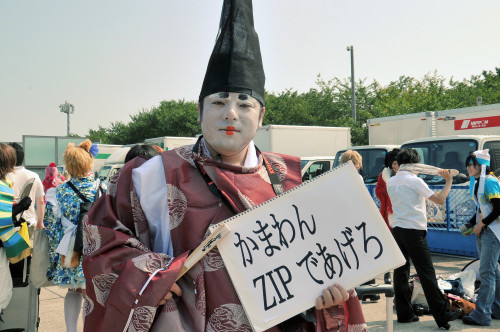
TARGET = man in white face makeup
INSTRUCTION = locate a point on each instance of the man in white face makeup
(162, 208)
(230, 121)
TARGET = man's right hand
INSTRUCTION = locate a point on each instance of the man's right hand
(445, 174)
(174, 290)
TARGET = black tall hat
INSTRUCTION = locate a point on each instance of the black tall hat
(235, 64)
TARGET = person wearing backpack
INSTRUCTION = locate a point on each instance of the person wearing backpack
(485, 190)
(61, 219)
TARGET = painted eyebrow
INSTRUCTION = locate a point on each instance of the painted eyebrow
(223, 94)
(242, 96)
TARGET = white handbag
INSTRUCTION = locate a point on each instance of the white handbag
(40, 260)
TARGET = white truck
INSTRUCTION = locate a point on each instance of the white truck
(477, 120)
(303, 141)
(450, 152)
(105, 151)
(113, 163)
(170, 142)
(117, 159)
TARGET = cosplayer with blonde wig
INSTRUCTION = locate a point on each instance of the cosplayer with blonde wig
(78, 159)
(62, 220)
(353, 156)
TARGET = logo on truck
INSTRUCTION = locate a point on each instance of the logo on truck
(487, 122)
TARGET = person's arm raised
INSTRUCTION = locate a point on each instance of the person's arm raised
(440, 198)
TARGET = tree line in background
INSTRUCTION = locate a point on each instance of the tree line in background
(328, 104)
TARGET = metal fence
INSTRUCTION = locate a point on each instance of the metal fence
(444, 221)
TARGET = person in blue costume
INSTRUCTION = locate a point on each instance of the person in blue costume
(61, 218)
(485, 190)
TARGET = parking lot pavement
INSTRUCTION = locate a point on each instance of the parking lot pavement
(52, 306)
(445, 265)
(52, 310)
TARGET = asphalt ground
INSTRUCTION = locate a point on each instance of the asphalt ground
(52, 306)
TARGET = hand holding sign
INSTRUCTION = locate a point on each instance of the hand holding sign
(174, 290)
(208, 244)
(284, 255)
(333, 295)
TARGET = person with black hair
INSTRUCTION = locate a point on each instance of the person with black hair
(391, 168)
(19, 177)
(485, 190)
(145, 150)
(408, 193)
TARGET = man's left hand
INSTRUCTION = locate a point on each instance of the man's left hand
(333, 295)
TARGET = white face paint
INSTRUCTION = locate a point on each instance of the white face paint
(229, 122)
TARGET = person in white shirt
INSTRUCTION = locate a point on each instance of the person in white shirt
(408, 193)
(19, 177)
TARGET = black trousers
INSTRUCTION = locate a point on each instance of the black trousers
(414, 246)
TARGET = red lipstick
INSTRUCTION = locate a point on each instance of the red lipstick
(230, 130)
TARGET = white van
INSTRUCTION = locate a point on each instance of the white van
(314, 166)
(450, 152)
(108, 171)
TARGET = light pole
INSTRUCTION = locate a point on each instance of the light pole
(67, 108)
(353, 98)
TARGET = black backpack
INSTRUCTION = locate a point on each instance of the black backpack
(84, 209)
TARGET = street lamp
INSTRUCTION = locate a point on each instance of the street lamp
(353, 98)
(67, 108)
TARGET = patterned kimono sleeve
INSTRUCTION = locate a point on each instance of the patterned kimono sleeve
(344, 317)
(48, 215)
(51, 230)
(125, 279)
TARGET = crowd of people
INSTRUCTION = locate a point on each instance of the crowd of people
(403, 196)
(51, 204)
(159, 207)
(402, 205)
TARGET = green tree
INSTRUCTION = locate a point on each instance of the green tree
(170, 118)
(326, 104)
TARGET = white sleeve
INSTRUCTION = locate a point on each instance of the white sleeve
(38, 187)
(151, 187)
(423, 189)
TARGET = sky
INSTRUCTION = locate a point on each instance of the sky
(114, 58)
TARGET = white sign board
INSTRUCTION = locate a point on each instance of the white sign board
(283, 253)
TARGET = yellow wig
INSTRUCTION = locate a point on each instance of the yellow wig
(78, 159)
